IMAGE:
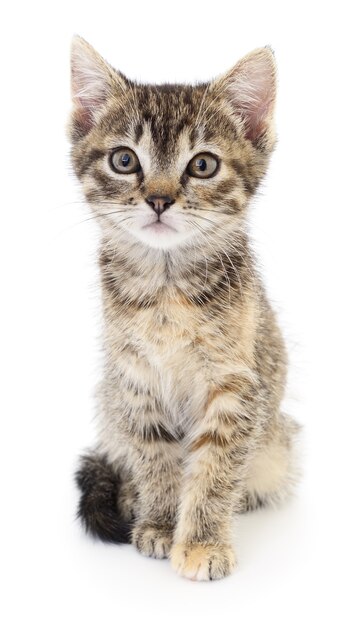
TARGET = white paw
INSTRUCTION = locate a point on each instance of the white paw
(152, 541)
(203, 561)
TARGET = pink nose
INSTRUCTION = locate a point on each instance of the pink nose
(159, 203)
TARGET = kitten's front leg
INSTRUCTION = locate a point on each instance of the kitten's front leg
(216, 463)
(157, 472)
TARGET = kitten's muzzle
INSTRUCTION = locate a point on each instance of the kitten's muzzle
(159, 203)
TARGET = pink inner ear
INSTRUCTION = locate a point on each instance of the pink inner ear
(252, 92)
(83, 118)
(256, 122)
(86, 103)
(90, 85)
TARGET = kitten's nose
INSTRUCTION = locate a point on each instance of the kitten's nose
(159, 203)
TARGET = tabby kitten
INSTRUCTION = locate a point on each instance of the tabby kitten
(190, 427)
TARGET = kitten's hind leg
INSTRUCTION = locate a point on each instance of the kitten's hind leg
(274, 469)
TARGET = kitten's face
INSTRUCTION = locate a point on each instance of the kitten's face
(169, 166)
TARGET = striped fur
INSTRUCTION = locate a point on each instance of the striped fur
(190, 429)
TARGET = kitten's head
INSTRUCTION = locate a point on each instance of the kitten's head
(170, 166)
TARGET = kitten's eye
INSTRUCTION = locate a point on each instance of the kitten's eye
(124, 161)
(203, 165)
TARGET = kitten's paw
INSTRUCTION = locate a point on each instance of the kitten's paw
(203, 561)
(152, 540)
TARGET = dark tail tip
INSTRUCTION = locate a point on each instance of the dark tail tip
(98, 505)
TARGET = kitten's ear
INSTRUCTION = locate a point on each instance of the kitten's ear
(93, 81)
(250, 88)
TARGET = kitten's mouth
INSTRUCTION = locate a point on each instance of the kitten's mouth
(159, 227)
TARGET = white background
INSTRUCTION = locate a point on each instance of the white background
(296, 565)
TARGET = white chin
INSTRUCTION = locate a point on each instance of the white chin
(159, 235)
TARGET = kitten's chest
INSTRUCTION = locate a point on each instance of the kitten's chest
(185, 352)
(169, 328)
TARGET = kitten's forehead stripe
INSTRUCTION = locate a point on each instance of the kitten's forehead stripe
(138, 133)
(169, 110)
(193, 137)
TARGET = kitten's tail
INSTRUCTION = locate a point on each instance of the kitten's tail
(98, 505)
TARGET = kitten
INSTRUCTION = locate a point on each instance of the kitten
(190, 426)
